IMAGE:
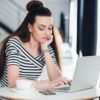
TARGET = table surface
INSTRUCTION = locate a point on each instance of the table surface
(35, 95)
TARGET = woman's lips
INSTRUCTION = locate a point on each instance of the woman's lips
(46, 38)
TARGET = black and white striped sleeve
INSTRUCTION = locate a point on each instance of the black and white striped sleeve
(12, 55)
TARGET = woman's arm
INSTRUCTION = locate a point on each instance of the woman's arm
(13, 76)
(52, 68)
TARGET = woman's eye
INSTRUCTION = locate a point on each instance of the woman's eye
(50, 28)
(41, 29)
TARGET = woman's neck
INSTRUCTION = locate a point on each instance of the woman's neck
(34, 44)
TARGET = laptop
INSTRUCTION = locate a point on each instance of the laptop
(85, 76)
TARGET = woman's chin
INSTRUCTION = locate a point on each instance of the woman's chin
(43, 41)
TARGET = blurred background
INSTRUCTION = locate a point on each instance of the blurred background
(77, 22)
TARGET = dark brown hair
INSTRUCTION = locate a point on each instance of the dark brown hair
(35, 8)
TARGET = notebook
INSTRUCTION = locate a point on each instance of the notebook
(85, 76)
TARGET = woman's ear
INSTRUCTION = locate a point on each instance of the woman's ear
(30, 27)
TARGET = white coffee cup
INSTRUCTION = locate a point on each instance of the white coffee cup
(24, 84)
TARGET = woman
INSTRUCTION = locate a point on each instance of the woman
(26, 51)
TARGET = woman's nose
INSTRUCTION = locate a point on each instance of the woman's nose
(48, 33)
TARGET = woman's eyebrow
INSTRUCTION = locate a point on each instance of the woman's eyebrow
(45, 25)
(51, 25)
(41, 25)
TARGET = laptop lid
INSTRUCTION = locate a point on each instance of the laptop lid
(86, 73)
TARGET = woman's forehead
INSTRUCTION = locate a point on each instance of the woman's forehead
(44, 20)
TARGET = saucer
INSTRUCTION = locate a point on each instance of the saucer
(22, 91)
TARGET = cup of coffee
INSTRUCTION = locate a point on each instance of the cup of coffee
(24, 84)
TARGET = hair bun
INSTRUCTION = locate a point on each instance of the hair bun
(34, 4)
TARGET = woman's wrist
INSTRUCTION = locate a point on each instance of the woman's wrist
(40, 85)
(34, 84)
(45, 49)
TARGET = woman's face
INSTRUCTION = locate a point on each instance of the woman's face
(42, 28)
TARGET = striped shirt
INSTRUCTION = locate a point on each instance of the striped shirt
(29, 67)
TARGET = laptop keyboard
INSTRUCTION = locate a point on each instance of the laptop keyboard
(64, 88)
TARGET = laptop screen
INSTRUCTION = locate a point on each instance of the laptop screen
(86, 73)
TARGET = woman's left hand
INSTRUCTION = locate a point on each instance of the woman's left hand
(47, 43)
(59, 81)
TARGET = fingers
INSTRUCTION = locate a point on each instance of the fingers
(48, 42)
(51, 38)
(60, 81)
(64, 80)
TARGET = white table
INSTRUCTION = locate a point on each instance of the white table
(89, 94)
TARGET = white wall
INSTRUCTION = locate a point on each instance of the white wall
(57, 7)
(73, 25)
(98, 30)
